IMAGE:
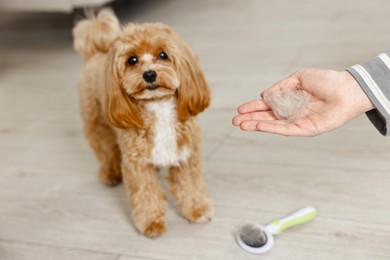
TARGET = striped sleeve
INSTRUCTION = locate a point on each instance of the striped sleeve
(374, 78)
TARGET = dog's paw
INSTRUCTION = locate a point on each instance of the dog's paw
(155, 229)
(201, 213)
(110, 178)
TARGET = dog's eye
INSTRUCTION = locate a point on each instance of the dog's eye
(163, 56)
(133, 60)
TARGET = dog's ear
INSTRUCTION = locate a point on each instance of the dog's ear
(120, 109)
(193, 92)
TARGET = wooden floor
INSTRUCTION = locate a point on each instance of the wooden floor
(52, 205)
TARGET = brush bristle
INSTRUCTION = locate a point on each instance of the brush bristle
(252, 236)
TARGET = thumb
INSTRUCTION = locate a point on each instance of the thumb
(290, 82)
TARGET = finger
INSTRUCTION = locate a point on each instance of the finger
(251, 125)
(290, 82)
(251, 106)
(248, 125)
(285, 128)
(266, 115)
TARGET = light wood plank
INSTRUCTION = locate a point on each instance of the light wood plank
(27, 251)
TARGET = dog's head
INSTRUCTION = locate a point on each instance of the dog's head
(149, 62)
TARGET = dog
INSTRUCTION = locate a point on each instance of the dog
(140, 89)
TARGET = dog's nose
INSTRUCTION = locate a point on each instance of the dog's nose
(150, 76)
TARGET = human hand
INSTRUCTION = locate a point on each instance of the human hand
(335, 98)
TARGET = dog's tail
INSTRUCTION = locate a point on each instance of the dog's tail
(95, 33)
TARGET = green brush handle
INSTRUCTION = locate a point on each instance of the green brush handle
(298, 217)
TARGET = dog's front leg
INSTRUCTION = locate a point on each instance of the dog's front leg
(147, 199)
(188, 188)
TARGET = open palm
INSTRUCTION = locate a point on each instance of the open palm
(335, 98)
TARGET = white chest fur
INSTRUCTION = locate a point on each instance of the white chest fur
(165, 151)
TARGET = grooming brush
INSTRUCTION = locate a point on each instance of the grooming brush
(258, 239)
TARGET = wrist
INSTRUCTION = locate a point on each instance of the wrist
(361, 102)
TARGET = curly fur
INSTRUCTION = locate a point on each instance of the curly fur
(136, 126)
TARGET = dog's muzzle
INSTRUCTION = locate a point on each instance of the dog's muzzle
(152, 87)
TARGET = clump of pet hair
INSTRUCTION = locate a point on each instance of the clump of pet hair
(288, 104)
